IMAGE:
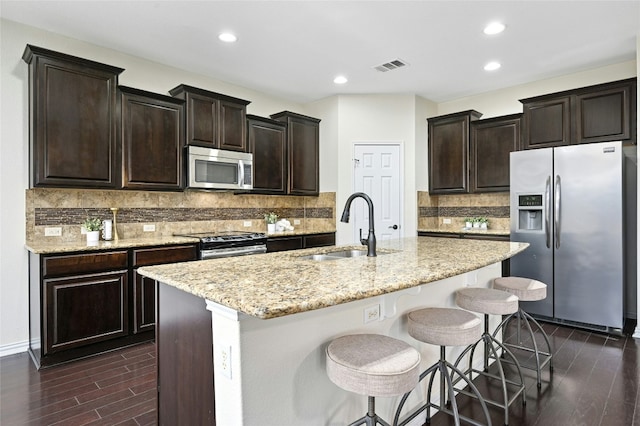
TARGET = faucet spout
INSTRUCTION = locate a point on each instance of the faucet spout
(370, 241)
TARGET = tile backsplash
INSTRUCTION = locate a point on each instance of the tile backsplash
(432, 209)
(170, 212)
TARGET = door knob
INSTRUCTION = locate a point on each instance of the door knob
(393, 227)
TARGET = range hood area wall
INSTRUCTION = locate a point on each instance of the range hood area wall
(170, 212)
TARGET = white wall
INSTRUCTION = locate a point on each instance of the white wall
(14, 157)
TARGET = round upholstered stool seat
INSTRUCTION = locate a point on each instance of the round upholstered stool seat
(526, 289)
(373, 364)
(487, 301)
(444, 326)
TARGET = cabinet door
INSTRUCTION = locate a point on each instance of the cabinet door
(202, 120)
(491, 143)
(85, 309)
(232, 127)
(152, 141)
(604, 115)
(449, 153)
(303, 146)
(144, 300)
(267, 143)
(73, 121)
(547, 123)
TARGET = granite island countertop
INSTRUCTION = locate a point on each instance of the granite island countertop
(283, 283)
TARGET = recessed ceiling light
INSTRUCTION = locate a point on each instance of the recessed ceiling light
(341, 79)
(494, 28)
(227, 37)
(492, 66)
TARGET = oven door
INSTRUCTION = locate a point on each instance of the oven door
(232, 251)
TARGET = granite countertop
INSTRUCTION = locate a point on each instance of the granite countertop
(39, 247)
(475, 231)
(283, 283)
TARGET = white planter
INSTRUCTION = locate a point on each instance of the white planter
(468, 225)
(483, 226)
(93, 237)
(476, 224)
(271, 228)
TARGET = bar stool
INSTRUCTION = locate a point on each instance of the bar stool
(444, 327)
(372, 365)
(489, 301)
(527, 290)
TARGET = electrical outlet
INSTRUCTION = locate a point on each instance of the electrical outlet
(446, 221)
(223, 359)
(150, 227)
(247, 223)
(296, 221)
(53, 232)
(372, 313)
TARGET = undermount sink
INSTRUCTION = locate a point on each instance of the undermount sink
(335, 255)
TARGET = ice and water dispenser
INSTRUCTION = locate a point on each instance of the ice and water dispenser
(530, 212)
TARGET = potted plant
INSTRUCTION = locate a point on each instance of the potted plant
(484, 222)
(468, 222)
(92, 226)
(476, 222)
(271, 218)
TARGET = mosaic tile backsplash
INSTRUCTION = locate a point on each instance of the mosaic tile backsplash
(169, 212)
(432, 209)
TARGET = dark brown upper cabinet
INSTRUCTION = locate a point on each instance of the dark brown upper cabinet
(213, 120)
(600, 113)
(72, 109)
(152, 133)
(303, 151)
(449, 152)
(492, 140)
(267, 140)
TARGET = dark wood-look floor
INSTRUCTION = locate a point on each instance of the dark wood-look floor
(117, 388)
(595, 382)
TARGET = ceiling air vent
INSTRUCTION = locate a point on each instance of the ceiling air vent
(391, 65)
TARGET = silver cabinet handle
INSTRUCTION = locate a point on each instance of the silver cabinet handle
(547, 199)
(557, 219)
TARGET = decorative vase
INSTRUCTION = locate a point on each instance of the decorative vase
(271, 228)
(93, 237)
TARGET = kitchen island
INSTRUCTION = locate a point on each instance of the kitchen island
(272, 316)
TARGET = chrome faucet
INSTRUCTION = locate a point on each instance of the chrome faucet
(370, 241)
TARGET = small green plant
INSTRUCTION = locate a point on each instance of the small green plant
(482, 220)
(92, 224)
(271, 217)
(469, 219)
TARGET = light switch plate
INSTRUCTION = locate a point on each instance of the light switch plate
(223, 359)
(446, 221)
(149, 227)
(53, 231)
(296, 221)
(247, 223)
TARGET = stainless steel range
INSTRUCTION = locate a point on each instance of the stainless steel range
(228, 243)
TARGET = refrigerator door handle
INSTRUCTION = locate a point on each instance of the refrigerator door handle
(556, 216)
(547, 200)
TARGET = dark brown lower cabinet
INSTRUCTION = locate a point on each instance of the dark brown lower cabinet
(294, 242)
(184, 344)
(86, 303)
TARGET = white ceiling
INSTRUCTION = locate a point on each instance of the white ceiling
(294, 49)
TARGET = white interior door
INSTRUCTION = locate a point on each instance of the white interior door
(378, 173)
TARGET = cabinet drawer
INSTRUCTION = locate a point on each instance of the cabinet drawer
(319, 240)
(83, 263)
(158, 255)
(284, 243)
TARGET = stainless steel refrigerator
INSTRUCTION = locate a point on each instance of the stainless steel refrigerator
(568, 204)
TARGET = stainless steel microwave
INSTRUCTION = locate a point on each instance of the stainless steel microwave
(210, 168)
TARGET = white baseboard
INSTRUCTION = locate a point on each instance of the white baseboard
(14, 348)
